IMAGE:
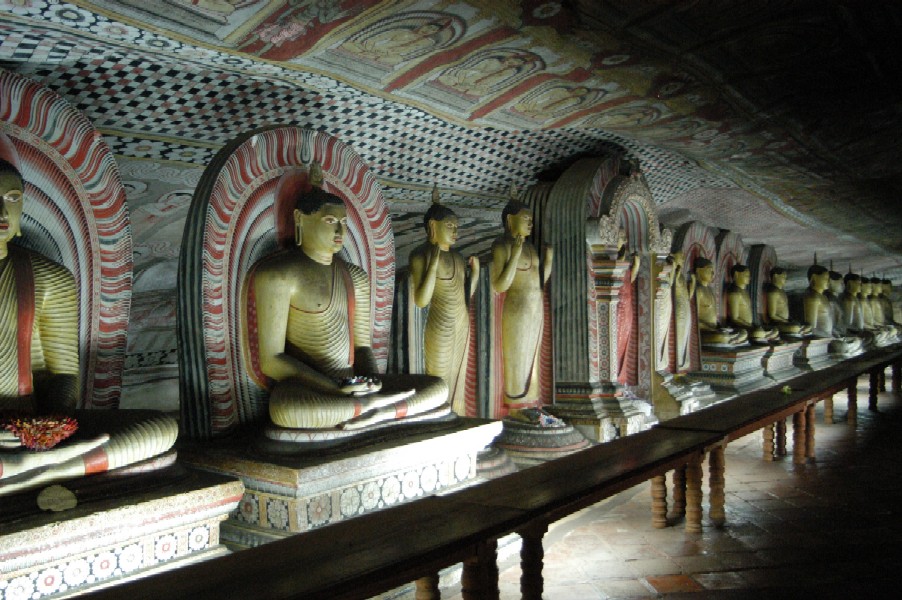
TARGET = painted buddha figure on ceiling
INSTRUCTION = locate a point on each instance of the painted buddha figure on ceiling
(313, 332)
(517, 272)
(778, 306)
(739, 307)
(39, 364)
(711, 331)
(438, 276)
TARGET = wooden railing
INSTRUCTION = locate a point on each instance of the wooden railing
(376, 552)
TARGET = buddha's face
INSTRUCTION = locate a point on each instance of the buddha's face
(741, 278)
(520, 224)
(887, 289)
(10, 205)
(324, 231)
(443, 233)
(836, 286)
(778, 279)
(705, 274)
(866, 288)
(818, 281)
(853, 286)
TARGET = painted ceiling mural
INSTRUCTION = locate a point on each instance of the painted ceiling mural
(778, 119)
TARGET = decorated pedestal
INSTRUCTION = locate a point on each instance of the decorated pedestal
(734, 371)
(779, 361)
(122, 527)
(600, 414)
(814, 354)
(533, 436)
(302, 488)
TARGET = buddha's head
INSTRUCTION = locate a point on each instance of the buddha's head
(704, 270)
(740, 276)
(441, 224)
(778, 277)
(887, 288)
(866, 287)
(818, 278)
(321, 222)
(517, 219)
(678, 260)
(835, 284)
(11, 195)
(852, 283)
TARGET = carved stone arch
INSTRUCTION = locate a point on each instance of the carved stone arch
(75, 214)
(232, 223)
(627, 199)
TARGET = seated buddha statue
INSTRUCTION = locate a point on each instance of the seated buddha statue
(438, 275)
(852, 312)
(712, 333)
(739, 308)
(778, 306)
(822, 310)
(886, 295)
(313, 330)
(39, 368)
(870, 291)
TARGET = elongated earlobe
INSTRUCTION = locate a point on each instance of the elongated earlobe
(298, 229)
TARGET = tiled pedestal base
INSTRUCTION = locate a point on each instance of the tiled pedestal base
(300, 488)
(602, 417)
(778, 362)
(734, 371)
(814, 354)
(122, 528)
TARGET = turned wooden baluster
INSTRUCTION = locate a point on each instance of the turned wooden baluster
(479, 579)
(716, 483)
(798, 438)
(828, 409)
(678, 509)
(809, 431)
(873, 386)
(532, 556)
(767, 444)
(781, 438)
(427, 588)
(897, 377)
(659, 501)
(694, 495)
(852, 393)
(882, 380)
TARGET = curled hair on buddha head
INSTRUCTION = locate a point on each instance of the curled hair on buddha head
(6, 166)
(817, 270)
(437, 211)
(851, 277)
(737, 268)
(777, 271)
(700, 262)
(886, 281)
(835, 276)
(310, 202)
(512, 208)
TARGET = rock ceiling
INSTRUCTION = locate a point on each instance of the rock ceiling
(776, 118)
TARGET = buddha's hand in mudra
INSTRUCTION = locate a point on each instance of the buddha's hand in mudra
(360, 385)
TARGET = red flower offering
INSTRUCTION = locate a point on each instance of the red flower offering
(40, 433)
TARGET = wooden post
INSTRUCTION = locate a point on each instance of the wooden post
(828, 410)
(767, 444)
(809, 431)
(716, 483)
(427, 588)
(781, 438)
(479, 579)
(694, 494)
(882, 377)
(852, 392)
(873, 386)
(897, 377)
(659, 501)
(798, 437)
(532, 556)
(679, 493)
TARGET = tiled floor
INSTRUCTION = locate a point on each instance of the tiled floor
(827, 529)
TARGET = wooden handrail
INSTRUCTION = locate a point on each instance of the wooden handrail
(370, 554)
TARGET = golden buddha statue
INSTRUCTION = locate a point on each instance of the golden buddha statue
(778, 306)
(871, 289)
(437, 275)
(683, 293)
(711, 331)
(313, 333)
(886, 295)
(823, 312)
(517, 272)
(851, 303)
(39, 368)
(739, 308)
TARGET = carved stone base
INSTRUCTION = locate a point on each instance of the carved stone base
(680, 395)
(291, 492)
(733, 371)
(814, 354)
(494, 462)
(600, 415)
(532, 443)
(778, 362)
(122, 528)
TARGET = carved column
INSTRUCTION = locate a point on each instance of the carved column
(694, 494)
(852, 392)
(427, 588)
(659, 501)
(679, 493)
(798, 437)
(809, 431)
(479, 580)
(532, 556)
(767, 444)
(716, 484)
(873, 386)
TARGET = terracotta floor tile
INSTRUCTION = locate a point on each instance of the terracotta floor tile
(665, 584)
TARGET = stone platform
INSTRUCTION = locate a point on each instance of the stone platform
(599, 413)
(814, 354)
(733, 371)
(779, 361)
(538, 437)
(291, 488)
(122, 527)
